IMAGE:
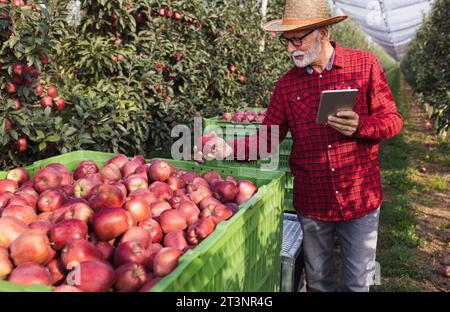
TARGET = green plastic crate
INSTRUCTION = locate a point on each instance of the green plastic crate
(242, 254)
(242, 130)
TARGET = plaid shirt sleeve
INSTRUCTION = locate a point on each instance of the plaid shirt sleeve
(277, 127)
(383, 120)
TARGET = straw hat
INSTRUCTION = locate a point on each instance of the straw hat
(303, 14)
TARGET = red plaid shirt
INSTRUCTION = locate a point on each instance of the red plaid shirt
(336, 177)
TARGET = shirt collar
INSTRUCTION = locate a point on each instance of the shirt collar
(334, 59)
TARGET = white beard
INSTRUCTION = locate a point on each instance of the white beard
(308, 57)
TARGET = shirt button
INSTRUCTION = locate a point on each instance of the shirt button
(332, 169)
(337, 192)
(320, 76)
(329, 146)
(298, 98)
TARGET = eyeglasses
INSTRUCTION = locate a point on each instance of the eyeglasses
(297, 42)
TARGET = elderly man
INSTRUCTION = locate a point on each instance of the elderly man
(337, 187)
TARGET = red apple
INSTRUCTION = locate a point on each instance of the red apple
(129, 252)
(30, 274)
(57, 271)
(26, 214)
(10, 229)
(227, 117)
(39, 90)
(22, 200)
(135, 181)
(45, 216)
(198, 192)
(139, 208)
(246, 190)
(83, 187)
(78, 251)
(47, 101)
(208, 200)
(142, 170)
(232, 179)
(159, 170)
(131, 219)
(446, 271)
(109, 223)
(189, 210)
(190, 176)
(197, 182)
(22, 145)
(73, 211)
(50, 200)
(233, 207)
(64, 232)
(43, 58)
(19, 69)
(175, 239)
(158, 207)
(84, 168)
(106, 196)
(217, 213)
(118, 160)
(130, 167)
(152, 251)
(106, 249)
(7, 185)
(138, 235)
(176, 183)
(46, 178)
(165, 261)
(4, 198)
(130, 277)
(172, 220)
(111, 172)
(148, 196)
(11, 88)
(92, 276)
(6, 266)
(200, 230)
(33, 72)
(154, 228)
(224, 191)
(60, 104)
(178, 16)
(42, 225)
(31, 246)
(19, 175)
(211, 176)
(161, 190)
(52, 92)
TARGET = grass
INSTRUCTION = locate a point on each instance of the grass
(401, 158)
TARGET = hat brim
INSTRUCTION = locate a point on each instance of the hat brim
(278, 26)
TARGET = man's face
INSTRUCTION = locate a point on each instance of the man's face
(310, 49)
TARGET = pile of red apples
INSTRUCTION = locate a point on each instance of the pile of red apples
(246, 116)
(119, 228)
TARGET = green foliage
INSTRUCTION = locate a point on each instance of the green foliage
(426, 63)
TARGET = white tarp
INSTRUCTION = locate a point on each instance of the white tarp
(390, 23)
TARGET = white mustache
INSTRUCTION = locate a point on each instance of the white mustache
(298, 53)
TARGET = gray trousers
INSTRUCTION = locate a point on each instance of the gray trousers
(358, 241)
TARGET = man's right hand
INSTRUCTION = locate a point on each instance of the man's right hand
(214, 148)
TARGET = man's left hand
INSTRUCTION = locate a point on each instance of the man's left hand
(346, 122)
